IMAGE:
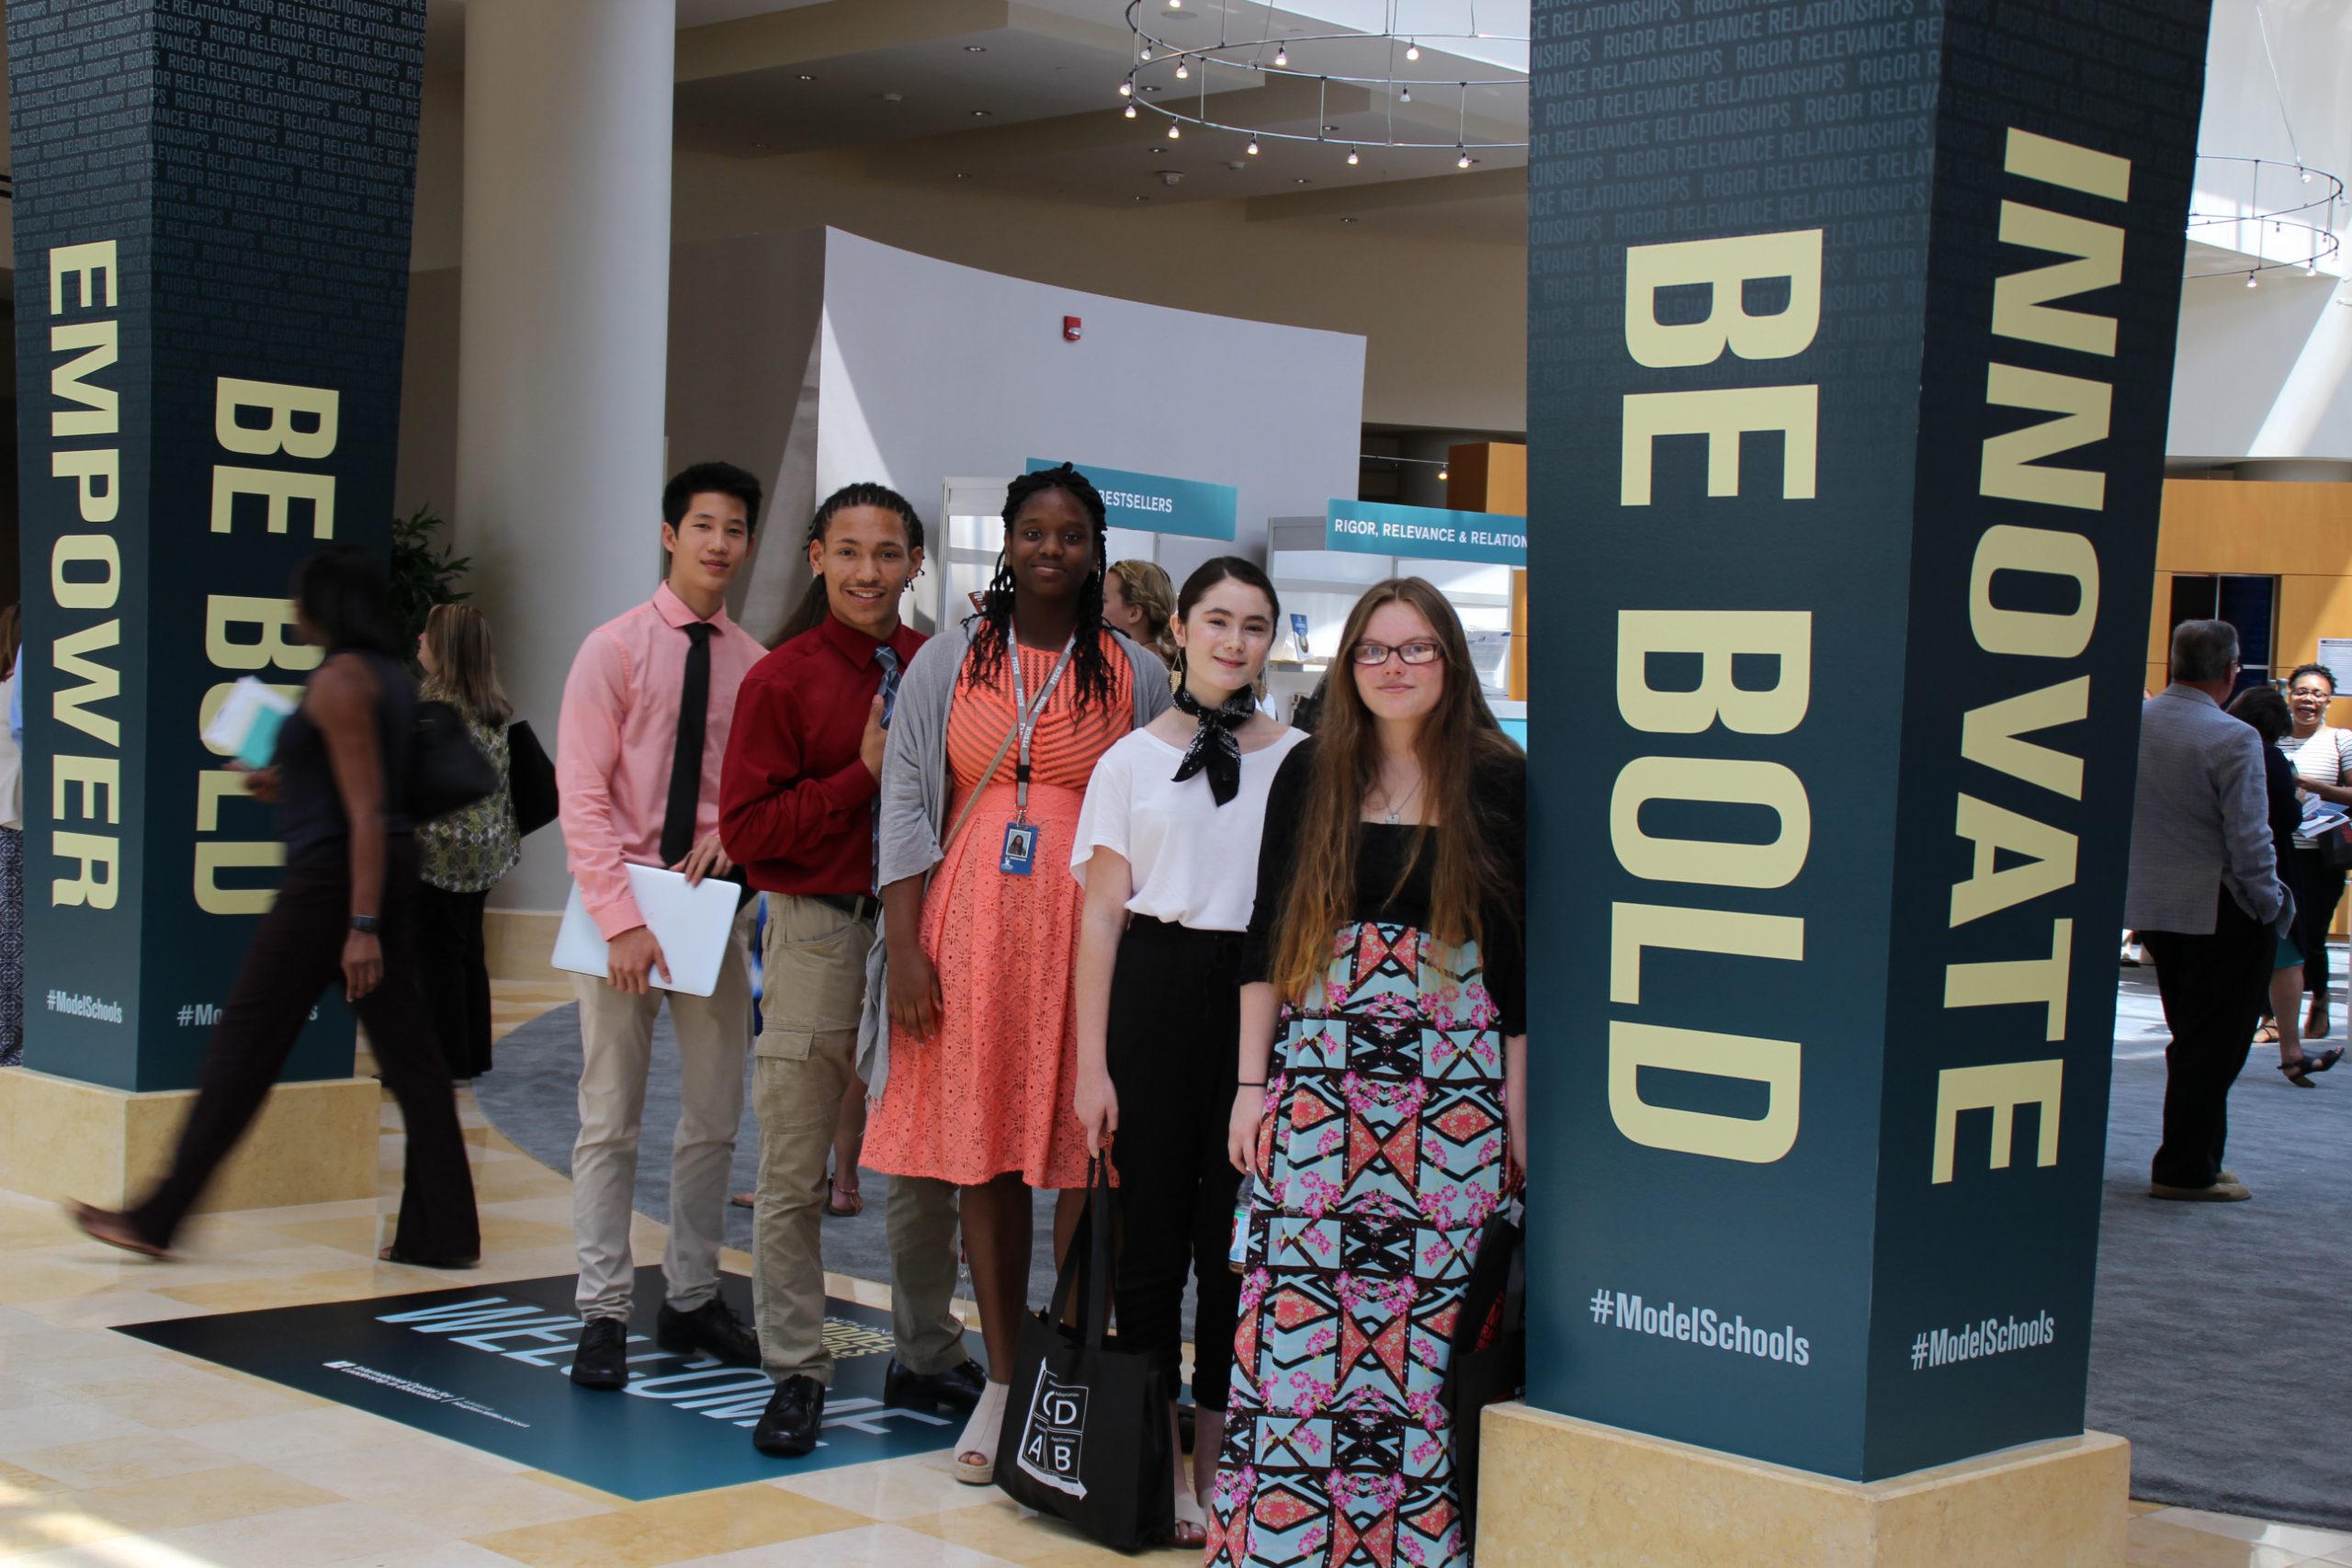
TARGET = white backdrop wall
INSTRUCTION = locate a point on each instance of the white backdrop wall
(932, 370)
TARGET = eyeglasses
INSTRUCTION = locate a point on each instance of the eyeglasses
(1374, 654)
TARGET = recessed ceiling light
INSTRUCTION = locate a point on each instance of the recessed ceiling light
(963, 176)
(975, 49)
(1347, 219)
(805, 78)
(982, 114)
(891, 97)
(1301, 180)
(1150, 89)
(760, 146)
(1142, 198)
(1329, 128)
(1159, 149)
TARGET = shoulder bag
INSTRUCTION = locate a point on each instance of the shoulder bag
(446, 771)
(530, 779)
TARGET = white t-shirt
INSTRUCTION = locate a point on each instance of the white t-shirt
(2318, 757)
(1195, 862)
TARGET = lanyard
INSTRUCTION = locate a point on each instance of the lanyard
(1025, 716)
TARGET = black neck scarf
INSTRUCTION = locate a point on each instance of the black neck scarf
(1215, 747)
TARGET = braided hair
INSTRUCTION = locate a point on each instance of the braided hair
(1090, 668)
(813, 607)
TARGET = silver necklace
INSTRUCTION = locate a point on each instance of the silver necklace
(1398, 810)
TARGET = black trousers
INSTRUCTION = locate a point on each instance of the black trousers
(294, 956)
(1174, 1043)
(453, 973)
(2214, 988)
(2323, 887)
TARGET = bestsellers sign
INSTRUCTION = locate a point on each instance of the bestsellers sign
(1431, 533)
(1159, 504)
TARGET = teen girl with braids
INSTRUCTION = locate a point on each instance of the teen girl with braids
(1381, 1102)
(1168, 850)
(796, 810)
(975, 1067)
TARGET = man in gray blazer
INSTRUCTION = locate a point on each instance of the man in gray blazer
(2205, 897)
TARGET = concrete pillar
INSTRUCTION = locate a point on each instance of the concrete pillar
(562, 339)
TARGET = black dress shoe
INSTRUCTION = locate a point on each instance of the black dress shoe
(712, 1328)
(958, 1386)
(788, 1426)
(602, 1358)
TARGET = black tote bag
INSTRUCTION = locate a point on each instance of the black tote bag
(447, 772)
(530, 779)
(1085, 1436)
(1488, 1363)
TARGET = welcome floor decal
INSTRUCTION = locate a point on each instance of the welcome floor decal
(489, 1366)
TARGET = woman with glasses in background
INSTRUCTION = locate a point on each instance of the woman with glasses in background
(1380, 1096)
(2323, 759)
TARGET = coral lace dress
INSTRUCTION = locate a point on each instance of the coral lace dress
(995, 1090)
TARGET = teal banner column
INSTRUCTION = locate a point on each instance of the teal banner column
(1850, 343)
(212, 203)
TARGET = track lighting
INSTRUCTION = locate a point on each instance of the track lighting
(1175, 131)
(1282, 57)
(2251, 282)
(1126, 89)
(1462, 160)
(1412, 50)
(1405, 96)
(1183, 70)
(1130, 113)
(1352, 159)
(1253, 148)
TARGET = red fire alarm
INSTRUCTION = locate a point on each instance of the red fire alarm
(1071, 329)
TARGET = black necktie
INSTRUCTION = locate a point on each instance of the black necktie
(685, 762)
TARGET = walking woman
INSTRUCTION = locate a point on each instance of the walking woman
(468, 853)
(2323, 759)
(1167, 848)
(12, 842)
(2266, 711)
(1140, 600)
(345, 914)
(998, 727)
(1382, 1095)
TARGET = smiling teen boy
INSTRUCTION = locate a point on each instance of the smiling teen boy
(646, 713)
(796, 809)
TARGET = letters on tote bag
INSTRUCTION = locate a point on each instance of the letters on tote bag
(1086, 1432)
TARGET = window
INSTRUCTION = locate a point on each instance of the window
(2248, 604)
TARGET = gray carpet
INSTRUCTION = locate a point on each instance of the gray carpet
(2215, 1334)
(2213, 1343)
(532, 1096)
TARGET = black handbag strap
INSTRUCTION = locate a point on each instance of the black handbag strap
(1089, 1255)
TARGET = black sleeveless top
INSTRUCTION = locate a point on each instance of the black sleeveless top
(310, 808)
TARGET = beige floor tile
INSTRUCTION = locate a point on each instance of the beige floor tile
(869, 1546)
(52, 1532)
(354, 1283)
(2154, 1544)
(109, 1308)
(395, 1461)
(19, 1484)
(565, 1483)
(673, 1529)
(303, 1537)
(16, 1393)
(166, 1503)
(2136, 1507)
(110, 1462)
(14, 1320)
(483, 1504)
(448, 1554)
(53, 1425)
(2301, 1539)
(271, 1439)
(999, 1529)
(167, 1392)
(891, 1490)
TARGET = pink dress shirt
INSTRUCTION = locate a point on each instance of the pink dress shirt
(615, 739)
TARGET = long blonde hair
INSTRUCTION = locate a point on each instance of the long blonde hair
(1149, 589)
(1458, 738)
(464, 668)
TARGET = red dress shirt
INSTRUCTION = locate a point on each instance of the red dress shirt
(795, 803)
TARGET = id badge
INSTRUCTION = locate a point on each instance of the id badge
(1019, 849)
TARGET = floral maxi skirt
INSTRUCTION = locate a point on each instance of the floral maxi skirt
(1382, 1148)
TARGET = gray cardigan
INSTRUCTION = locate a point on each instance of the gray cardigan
(2200, 822)
(911, 811)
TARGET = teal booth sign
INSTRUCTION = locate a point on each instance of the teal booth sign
(1431, 533)
(1159, 504)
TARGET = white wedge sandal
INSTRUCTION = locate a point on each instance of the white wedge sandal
(980, 1435)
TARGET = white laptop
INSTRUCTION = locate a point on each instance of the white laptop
(694, 926)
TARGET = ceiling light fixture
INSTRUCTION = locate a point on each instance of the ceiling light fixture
(983, 114)
(1443, 474)
(1129, 113)
(1464, 161)
(2236, 196)
(975, 49)
(1126, 89)
(1263, 44)
(1354, 158)
(1253, 148)
(805, 78)
(2251, 282)
(1175, 132)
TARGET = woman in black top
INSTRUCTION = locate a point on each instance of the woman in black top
(1382, 1099)
(344, 910)
(2264, 709)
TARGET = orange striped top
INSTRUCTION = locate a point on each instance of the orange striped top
(1065, 744)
